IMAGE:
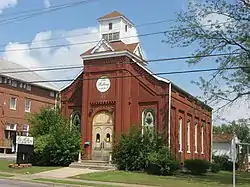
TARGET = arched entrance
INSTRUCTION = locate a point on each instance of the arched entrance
(102, 132)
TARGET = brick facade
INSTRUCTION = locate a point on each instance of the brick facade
(13, 120)
(129, 95)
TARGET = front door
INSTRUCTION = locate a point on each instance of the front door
(102, 133)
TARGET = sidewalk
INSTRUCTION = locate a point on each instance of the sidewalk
(62, 174)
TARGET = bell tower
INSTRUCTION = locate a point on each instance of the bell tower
(116, 27)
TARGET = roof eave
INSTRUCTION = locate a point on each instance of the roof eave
(106, 19)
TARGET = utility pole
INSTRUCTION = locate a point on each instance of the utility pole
(234, 152)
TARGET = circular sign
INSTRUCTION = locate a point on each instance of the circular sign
(103, 84)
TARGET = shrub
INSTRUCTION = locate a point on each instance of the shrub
(215, 168)
(134, 151)
(162, 163)
(197, 166)
(224, 162)
(57, 145)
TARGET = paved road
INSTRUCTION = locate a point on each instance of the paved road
(13, 183)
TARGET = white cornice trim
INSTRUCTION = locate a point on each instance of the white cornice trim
(102, 41)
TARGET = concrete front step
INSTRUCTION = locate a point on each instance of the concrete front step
(90, 164)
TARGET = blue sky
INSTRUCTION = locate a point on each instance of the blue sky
(81, 18)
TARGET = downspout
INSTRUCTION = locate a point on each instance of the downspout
(169, 113)
(211, 142)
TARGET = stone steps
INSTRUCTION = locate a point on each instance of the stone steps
(92, 164)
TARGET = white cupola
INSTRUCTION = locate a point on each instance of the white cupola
(116, 27)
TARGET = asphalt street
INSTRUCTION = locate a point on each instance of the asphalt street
(15, 183)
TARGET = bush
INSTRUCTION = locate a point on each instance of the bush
(215, 168)
(57, 145)
(162, 163)
(136, 152)
(197, 166)
(224, 162)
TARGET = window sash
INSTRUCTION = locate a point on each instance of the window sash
(13, 103)
(180, 135)
(27, 105)
(188, 136)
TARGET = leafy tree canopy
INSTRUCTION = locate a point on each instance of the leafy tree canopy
(217, 27)
(241, 128)
(56, 141)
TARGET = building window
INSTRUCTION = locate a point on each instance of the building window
(9, 81)
(126, 28)
(180, 135)
(110, 26)
(52, 94)
(202, 139)
(148, 121)
(27, 105)
(97, 138)
(13, 103)
(1, 79)
(5, 80)
(195, 138)
(21, 85)
(28, 87)
(25, 130)
(188, 137)
(108, 137)
(111, 36)
(24, 86)
(14, 83)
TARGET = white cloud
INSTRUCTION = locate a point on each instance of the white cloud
(47, 3)
(59, 56)
(63, 55)
(7, 4)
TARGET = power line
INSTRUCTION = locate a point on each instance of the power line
(96, 41)
(64, 67)
(157, 74)
(89, 33)
(52, 9)
(36, 9)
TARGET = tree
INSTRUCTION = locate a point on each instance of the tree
(240, 127)
(56, 142)
(216, 27)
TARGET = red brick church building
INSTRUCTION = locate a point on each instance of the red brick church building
(115, 90)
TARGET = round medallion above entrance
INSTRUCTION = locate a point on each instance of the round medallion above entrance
(103, 84)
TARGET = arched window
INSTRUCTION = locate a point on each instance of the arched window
(148, 120)
(180, 135)
(108, 137)
(188, 137)
(98, 138)
(76, 120)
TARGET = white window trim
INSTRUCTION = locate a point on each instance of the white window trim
(188, 137)
(180, 135)
(29, 105)
(195, 138)
(202, 140)
(13, 108)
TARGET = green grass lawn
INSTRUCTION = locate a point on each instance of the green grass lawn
(34, 169)
(71, 182)
(209, 180)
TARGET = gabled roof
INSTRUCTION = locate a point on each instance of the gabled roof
(28, 76)
(113, 14)
(223, 138)
(116, 46)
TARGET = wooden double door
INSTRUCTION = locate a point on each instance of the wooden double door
(102, 133)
